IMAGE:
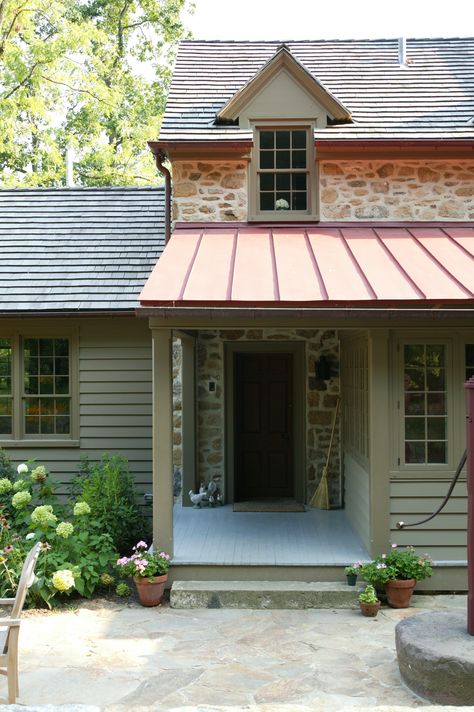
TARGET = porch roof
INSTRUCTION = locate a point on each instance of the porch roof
(245, 265)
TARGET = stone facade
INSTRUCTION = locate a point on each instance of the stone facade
(320, 403)
(216, 191)
(396, 190)
(209, 191)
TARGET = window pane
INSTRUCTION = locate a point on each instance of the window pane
(5, 425)
(299, 159)
(298, 181)
(283, 181)
(47, 425)
(267, 201)
(415, 429)
(414, 380)
(31, 384)
(299, 201)
(283, 139)
(415, 452)
(61, 366)
(469, 361)
(31, 347)
(61, 406)
(437, 452)
(32, 406)
(267, 139)
(414, 355)
(266, 159)
(415, 403)
(283, 201)
(31, 425)
(62, 425)
(46, 384)
(267, 182)
(45, 347)
(436, 428)
(298, 139)
(61, 385)
(435, 379)
(283, 159)
(46, 406)
(436, 403)
(434, 355)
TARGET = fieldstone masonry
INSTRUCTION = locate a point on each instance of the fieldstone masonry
(396, 190)
(211, 191)
(216, 191)
(321, 399)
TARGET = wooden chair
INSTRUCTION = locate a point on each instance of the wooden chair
(9, 637)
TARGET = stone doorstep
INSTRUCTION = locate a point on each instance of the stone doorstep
(263, 594)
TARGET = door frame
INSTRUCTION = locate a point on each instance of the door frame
(297, 349)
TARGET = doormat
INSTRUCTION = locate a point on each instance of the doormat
(269, 505)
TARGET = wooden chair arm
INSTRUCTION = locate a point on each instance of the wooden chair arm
(9, 622)
(7, 601)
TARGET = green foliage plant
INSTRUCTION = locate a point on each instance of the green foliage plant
(353, 569)
(368, 595)
(75, 549)
(109, 490)
(400, 563)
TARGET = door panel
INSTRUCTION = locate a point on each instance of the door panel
(263, 384)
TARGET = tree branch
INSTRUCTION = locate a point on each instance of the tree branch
(22, 83)
(76, 90)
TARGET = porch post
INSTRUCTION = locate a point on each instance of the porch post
(469, 385)
(162, 439)
(379, 440)
(188, 410)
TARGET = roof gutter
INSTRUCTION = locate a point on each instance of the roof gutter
(159, 158)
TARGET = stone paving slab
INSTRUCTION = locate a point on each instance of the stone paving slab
(116, 657)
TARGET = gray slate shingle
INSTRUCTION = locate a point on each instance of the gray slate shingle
(432, 97)
(78, 249)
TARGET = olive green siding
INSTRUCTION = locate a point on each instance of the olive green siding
(114, 396)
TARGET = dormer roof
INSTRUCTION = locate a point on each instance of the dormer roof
(429, 98)
(283, 59)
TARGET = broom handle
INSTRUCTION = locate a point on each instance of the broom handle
(332, 432)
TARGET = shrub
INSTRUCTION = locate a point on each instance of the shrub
(76, 551)
(109, 490)
(368, 595)
(399, 563)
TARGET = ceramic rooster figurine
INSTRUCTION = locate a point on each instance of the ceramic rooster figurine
(196, 499)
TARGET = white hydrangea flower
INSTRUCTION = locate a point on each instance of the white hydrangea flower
(21, 469)
(63, 580)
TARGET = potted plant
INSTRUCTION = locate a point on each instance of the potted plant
(149, 572)
(398, 571)
(351, 572)
(368, 602)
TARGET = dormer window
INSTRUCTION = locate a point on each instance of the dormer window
(283, 174)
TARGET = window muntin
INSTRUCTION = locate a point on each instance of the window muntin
(46, 384)
(283, 170)
(425, 404)
(6, 393)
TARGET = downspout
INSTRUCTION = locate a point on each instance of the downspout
(159, 158)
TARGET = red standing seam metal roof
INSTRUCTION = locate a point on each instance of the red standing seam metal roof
(308, 265)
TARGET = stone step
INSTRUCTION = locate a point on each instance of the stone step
(263, 594)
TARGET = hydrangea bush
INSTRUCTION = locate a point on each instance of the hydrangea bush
(76, 551)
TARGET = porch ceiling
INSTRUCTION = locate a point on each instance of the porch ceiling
(300, 266)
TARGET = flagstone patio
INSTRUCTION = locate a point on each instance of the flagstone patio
(120, 656)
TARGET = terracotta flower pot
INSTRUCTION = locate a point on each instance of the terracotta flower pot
(149, 592)
(369, 609)
(399, 592)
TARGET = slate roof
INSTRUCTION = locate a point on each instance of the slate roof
(431, 97)
(78, 249)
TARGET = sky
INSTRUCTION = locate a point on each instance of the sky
(332, 19)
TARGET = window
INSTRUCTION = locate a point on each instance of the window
(425, 403)
(36, 388)
(283, 174)
(469, 360)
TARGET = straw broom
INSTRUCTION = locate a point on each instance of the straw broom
(320, 498)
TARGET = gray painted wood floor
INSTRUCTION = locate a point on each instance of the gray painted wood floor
(222, 536)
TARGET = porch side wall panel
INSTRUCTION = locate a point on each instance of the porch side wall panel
(115, 397)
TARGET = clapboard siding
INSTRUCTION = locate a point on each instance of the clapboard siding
(115, 400)
(444, 537)
(356, 497)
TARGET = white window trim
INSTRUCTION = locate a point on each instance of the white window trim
(19, 438)
(312, 211)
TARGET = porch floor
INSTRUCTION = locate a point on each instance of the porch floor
(224, 537)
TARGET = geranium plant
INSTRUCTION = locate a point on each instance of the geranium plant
(353, 569)
(143, 563)
(400, 563)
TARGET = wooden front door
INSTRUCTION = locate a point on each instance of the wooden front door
(263, 384)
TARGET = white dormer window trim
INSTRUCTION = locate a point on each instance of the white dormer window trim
(278, 176)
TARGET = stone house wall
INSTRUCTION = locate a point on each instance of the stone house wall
(209, 191)
(320, 402)
(396, 190)
(216, 191)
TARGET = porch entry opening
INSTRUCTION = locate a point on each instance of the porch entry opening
(263, 426)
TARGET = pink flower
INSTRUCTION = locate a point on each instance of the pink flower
(381, 566)
(122, 561)
(394, 546)
(141, 545)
